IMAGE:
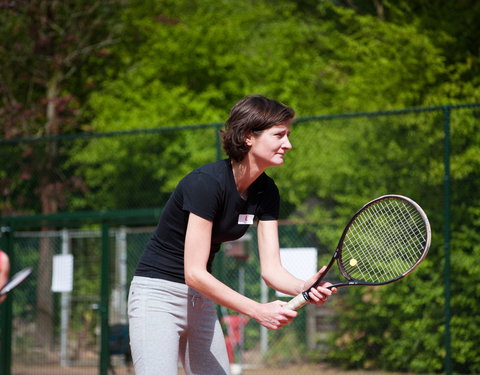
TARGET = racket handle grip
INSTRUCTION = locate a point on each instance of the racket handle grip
(296, 302)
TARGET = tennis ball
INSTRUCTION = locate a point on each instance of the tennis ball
(353, 262)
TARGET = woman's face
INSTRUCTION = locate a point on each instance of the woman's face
(269, 147)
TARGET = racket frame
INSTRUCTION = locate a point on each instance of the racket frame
(16, 280)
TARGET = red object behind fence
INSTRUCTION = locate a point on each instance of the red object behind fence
(234, 325)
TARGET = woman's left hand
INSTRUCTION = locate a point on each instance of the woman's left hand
(320, 294)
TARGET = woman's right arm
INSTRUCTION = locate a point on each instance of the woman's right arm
(197, 249)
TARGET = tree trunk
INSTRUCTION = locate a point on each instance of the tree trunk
(379, 9)
(48, 197)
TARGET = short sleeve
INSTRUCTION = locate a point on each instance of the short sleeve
(201, 195)
(269, 201)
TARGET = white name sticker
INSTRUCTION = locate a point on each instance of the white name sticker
(245, 219)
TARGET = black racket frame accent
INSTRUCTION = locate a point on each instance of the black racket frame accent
(337, 256)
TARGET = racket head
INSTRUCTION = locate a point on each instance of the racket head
(16, 280)
(384, 241)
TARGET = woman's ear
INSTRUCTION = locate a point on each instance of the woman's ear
(249, 139)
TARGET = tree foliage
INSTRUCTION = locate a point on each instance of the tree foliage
(50, 56)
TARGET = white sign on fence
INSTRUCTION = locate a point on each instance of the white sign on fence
(301, 262)
(62, 277)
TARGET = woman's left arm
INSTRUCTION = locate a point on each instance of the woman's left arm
(273, 272)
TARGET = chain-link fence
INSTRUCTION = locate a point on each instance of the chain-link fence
(64, 329)
(337, 164)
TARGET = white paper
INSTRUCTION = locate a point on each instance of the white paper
(301, 262)
(62, 277)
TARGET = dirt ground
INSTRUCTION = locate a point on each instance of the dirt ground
(297, 370)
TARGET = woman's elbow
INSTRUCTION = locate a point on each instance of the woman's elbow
(267, 279)
(190, 279)
(193, 278)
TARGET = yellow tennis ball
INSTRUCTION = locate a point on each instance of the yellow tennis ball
(353, 262)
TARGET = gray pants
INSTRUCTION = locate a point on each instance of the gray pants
(170, 321)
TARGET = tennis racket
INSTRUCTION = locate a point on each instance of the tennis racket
(16, 280)
(382, 243)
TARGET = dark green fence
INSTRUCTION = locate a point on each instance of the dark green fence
(338, 163)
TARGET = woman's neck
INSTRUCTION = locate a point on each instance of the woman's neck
(244, 175)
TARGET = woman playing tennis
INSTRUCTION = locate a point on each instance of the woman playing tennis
(172, 295)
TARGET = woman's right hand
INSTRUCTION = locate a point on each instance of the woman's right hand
(273, 315)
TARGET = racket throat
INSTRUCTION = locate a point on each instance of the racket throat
(324, 273)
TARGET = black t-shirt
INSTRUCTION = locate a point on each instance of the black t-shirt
(208, 192)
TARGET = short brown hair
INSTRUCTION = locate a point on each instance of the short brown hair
(252, 114)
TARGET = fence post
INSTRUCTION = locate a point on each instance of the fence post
(447, 234)
(105, 299)
(6, 309)
(65, 303)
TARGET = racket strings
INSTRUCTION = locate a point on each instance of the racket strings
(385, 241)
(361, 251)
(406, 229)
(389, 260)
(390, 264)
